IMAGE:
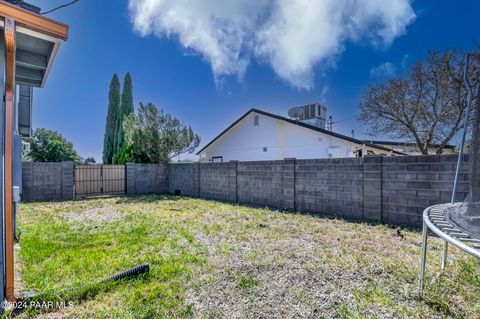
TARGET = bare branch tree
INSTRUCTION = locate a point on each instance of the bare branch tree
(427, 106)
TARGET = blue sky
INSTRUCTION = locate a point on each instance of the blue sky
(208, 91)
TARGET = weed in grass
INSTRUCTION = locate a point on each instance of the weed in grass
(344, 312)
(247, 282)
(374, 296)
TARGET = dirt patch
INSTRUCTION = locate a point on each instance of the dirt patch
(96, 215)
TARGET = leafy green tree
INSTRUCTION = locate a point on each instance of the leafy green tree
(124, 155)
(157, 137)
(50, 146)
(126, 108)
(112, 118)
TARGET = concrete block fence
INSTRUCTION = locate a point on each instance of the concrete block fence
(392, 190)
(55, 181)
(47, 181)
(146, 178)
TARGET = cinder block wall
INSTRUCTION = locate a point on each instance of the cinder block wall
(181, 177)
(147, 179)
(47, 181)
(330, 186)
(218, 181)
(412, 183)
(262, 183)
(392, 190)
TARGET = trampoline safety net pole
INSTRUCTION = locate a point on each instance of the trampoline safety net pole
(462, 148)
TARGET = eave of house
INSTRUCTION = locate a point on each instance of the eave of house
(37, 42)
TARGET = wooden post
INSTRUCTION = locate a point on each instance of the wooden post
(9, 32)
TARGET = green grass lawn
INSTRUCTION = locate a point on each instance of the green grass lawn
(217, 260)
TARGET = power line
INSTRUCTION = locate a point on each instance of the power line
(60, 7)
(348, 118)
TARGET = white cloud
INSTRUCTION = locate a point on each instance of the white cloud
(383, 70)
(293, 36)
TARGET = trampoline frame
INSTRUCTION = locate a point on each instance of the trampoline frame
(434, 220)
(434, 217)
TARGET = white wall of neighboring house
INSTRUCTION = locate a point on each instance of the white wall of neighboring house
(274, 139)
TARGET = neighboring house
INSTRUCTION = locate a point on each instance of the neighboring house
(259, 135)
(412, 148)
(28, 46)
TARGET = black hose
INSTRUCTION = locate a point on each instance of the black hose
(135, 271)
(132, 272)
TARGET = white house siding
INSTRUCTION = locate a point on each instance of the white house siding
(245, 141)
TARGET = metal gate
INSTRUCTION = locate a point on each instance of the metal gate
(98, 180)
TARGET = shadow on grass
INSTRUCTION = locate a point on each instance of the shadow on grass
(320, 215)
(148, 198)
(155, 198)
(152, 198)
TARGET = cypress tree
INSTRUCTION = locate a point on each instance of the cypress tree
(126, 108)
(112, 118)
